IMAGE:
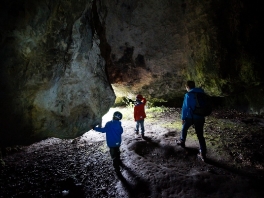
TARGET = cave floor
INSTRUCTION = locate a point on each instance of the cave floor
(153, 167)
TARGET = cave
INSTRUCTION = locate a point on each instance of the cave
(67, 65)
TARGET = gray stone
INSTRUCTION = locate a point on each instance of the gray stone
(53, 80)
(58, 59)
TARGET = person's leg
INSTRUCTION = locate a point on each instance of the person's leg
(115, 155)
(186, 125)
(199, 125)
(142, 127)
(137, 127)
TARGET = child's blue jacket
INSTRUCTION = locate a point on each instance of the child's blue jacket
(113, 130)
(189, 103)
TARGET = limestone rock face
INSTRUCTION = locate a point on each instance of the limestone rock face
(148, 41)
(157, 45)
(58, 58)
(53, 81)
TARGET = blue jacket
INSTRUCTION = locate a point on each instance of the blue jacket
(113, 130)
(189, 103)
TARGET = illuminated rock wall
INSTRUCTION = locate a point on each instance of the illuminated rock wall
(53, 81)
(157, 45)
(58, 58)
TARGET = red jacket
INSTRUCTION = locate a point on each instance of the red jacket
(139, 110)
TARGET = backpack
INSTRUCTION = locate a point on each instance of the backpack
(203, 105)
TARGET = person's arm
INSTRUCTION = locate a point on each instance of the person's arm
(101, 129)
(144, 101)
(184, 108)
(131, 101)
(121, 130)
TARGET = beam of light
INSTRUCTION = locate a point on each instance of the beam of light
(97, 136)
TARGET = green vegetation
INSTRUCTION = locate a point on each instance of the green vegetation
(153, 102)
(161, 109)
(174, 125)
(120, 101)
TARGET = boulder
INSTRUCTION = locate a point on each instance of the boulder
(53, 80)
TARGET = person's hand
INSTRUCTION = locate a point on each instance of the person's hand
(129, 100)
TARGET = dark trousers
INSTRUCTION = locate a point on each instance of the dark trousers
(115, 155)
(198, 126)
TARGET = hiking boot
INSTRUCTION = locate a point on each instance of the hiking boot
(142, 135)
(136, 132)
(201, 156)
(180, 143)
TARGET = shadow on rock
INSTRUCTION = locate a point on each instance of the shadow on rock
(232, 169)
(134, 185)
(148, 139)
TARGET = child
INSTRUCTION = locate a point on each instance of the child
(113, 130)
(139, 114)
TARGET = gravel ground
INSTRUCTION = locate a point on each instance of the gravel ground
(153, 167)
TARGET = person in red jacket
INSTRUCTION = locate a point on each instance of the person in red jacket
(139, 114)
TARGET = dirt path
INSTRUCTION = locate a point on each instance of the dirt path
(153, 167)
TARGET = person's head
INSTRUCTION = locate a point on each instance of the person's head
(190, 85)
(139, 97)
(117, 115)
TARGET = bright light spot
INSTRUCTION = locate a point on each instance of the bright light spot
(97, 136)
(108, 116)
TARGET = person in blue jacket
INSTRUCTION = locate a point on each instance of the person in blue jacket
(113, 130)
(189, 119)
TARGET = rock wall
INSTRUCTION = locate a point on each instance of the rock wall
(53, 80)
(157, 45)
(147, 45)
(58, 58)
